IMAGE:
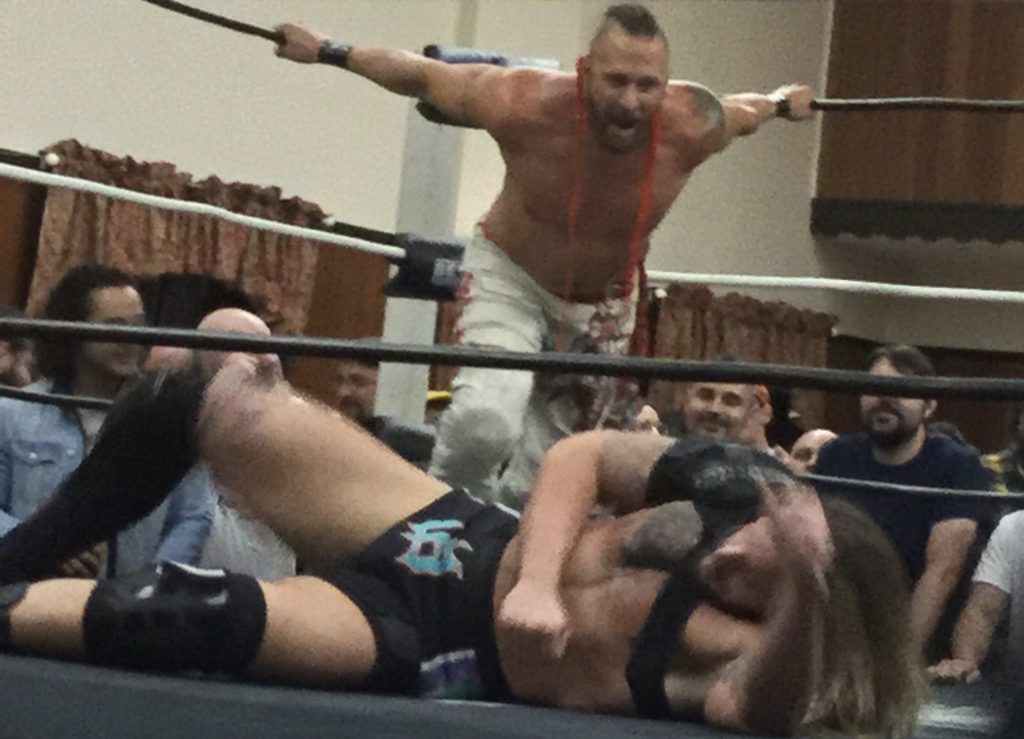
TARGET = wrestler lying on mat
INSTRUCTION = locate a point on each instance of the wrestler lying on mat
(723, 590)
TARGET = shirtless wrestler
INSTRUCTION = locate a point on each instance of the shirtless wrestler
(537, 273)
(723, 591)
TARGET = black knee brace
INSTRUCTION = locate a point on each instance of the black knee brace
(173, 618)
(10, 596)
(146, 446)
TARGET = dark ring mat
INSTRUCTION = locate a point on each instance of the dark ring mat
(51, 700)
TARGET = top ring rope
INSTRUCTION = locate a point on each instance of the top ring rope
(822, 104)
(659, 279)
(815, 378)
(428, 269)
(828, 482)
(394, 253)
(963, 105)
(50, 179)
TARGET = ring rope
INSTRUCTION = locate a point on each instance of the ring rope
(820, 104)
(784, 376)
(71, 401)
(917, 103)
(919, 490)
(76, 401)
(50, 179)
(217, 20)
(655, 278)
(660, 279)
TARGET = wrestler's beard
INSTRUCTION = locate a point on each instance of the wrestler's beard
(603, 124)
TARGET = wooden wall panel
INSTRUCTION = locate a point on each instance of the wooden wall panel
(347, 304)
(21, 213)
(949, 48)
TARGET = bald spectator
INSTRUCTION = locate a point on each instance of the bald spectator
(238, 541)
(17, 362)
(804, 454)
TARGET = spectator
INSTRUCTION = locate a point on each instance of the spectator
(40, 444)
(998, 586)
(804, 454)
(719, 411)
(355, 393)
(238, 540)
(934, 535)
(1008, 465)
(17, 363)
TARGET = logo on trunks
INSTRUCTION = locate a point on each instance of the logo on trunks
(432, 548)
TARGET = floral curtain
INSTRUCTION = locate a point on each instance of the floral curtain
(277, 271)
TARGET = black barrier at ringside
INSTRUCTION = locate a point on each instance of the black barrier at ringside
(783, 376)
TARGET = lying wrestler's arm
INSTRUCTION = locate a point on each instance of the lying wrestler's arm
(475, 95)
(769, 689)
(599, 467)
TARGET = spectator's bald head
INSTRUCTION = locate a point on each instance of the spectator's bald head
(229, 320)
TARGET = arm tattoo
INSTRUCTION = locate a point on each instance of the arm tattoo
(665, 539)
(708, 106)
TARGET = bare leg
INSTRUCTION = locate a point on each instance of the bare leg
(314, 636)
(324, 485)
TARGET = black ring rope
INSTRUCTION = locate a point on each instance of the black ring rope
(918, 103)
(822, 104)
(217, 20)
(71, 401)
(783, 376)
(33, 396)
(919, 490)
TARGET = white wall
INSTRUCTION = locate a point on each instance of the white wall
(130, 78)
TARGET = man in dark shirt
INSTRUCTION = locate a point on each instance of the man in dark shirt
(935, 535)
(355, 392)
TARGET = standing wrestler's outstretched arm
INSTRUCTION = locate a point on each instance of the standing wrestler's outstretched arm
(598, 467)
(477, 95)
(743, 114)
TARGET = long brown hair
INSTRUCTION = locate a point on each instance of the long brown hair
(872, 681)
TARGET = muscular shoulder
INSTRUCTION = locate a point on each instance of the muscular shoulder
(530, 97)
(698, 111)
(668, 534)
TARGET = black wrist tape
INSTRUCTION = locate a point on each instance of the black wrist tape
(333, 53)
(782, 108)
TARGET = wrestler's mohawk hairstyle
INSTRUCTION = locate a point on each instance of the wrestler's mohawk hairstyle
(634, 19)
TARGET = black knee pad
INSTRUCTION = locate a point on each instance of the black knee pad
(10, 596)
(173, 618)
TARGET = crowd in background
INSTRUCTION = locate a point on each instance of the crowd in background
(964, 555)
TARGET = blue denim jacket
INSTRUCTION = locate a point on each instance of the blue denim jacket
(41, 444)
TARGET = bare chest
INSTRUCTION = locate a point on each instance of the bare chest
(609, 191)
